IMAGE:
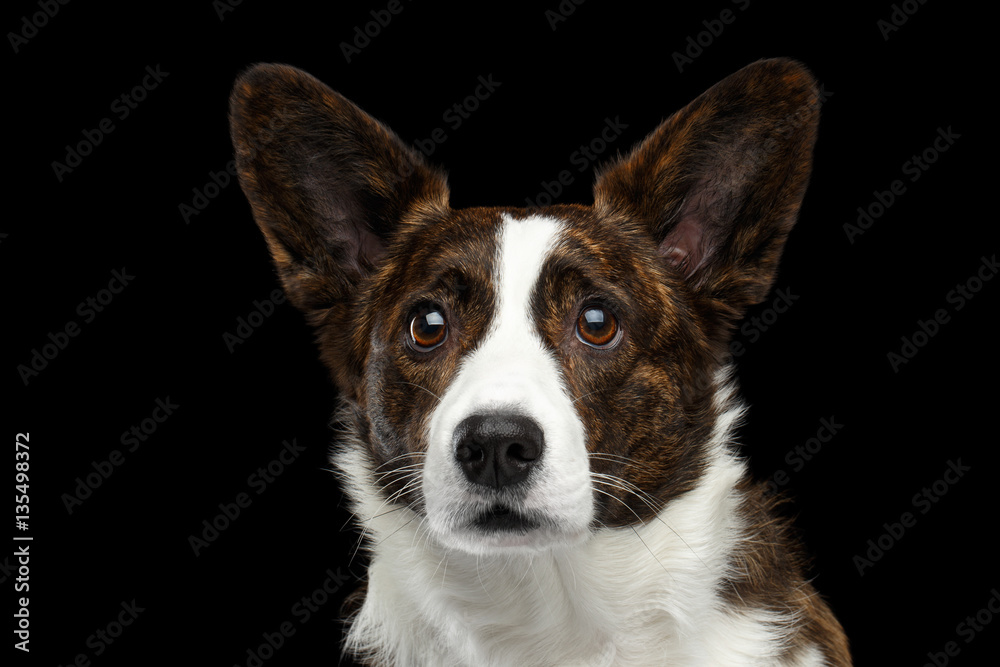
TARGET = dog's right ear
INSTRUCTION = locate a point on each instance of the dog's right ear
(328, 184)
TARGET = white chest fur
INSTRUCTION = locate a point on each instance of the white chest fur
(647, 596)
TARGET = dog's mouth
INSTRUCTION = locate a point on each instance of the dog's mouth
(500, 526)
(503, 519)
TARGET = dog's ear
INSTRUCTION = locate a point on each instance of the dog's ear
(719, 183)
(328, 184)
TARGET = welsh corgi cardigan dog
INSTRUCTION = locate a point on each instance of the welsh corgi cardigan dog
(538, 406)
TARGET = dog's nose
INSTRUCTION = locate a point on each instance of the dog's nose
(497, 449)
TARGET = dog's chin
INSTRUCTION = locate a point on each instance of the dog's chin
(505, 531)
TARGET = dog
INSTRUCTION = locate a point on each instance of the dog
(537, 405)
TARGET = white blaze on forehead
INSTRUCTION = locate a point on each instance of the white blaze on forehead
(511, 358)
(511, 369)
(524, 246)
(513, 338)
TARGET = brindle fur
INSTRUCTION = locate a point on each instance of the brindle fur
(685, 233)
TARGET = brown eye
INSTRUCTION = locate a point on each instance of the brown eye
(597, 327)
(428, 328)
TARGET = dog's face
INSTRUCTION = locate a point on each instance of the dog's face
(513, 372)
(520, 378)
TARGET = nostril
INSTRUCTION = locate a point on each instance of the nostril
(468, 452)
(521, 452)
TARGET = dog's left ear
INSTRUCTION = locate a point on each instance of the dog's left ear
(329, 184)
(719, 183)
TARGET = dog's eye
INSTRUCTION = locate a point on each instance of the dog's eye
(428, 328)
(597, 327)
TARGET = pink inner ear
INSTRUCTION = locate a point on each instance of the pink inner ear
(688, 245)
(370, 248)
(683, 246)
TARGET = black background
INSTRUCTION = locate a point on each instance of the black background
(162, 336)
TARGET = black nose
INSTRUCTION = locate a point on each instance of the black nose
(497, 449)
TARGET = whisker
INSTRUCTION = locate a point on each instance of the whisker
(614, 481)
(397, 530)
(394, 509)
(366, 523)
(524, 573)
(623, 485)
(378, 513)
(414, 384)
(479, 575)
(414, 467)
(396, 458)
(578, 398)
(637, 532)
(616, 458)
(627, 506)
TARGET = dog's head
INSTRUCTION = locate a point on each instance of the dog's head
(520, 377)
